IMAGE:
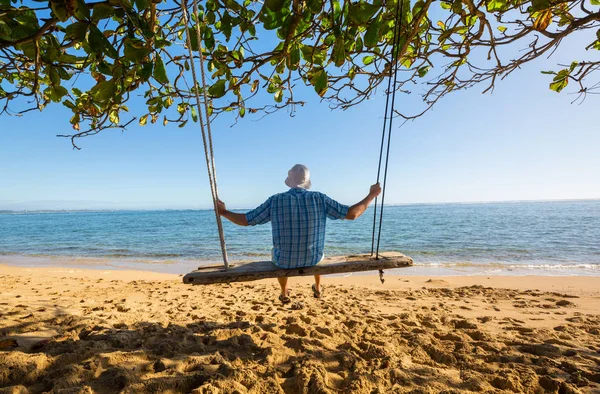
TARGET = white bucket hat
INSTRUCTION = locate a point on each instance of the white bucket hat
(298, 176)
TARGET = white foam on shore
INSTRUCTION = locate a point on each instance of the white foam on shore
(459, 268)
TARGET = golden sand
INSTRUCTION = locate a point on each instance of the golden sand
(86, 331)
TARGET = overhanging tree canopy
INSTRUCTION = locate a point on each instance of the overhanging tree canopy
(257, 52)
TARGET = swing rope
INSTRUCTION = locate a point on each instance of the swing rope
(206, 131)
(391, 91)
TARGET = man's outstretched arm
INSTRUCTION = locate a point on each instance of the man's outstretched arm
(237, 218)
(359, 208)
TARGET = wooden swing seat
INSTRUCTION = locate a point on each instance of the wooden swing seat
(256, 270)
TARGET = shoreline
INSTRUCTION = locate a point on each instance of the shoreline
(576, 285)
(182, 266)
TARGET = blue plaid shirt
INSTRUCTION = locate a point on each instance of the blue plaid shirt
(298, 219)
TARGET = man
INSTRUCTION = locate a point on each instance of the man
(298, 219)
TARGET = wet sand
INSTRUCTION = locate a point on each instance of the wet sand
(94, 331)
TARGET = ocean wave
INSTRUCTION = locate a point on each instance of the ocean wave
(507, 265)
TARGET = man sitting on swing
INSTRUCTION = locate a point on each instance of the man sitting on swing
(298, 219)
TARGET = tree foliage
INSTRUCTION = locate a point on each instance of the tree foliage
(93, 57)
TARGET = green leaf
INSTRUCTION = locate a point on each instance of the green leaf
(76, 31)
(252, 30)
(337, 10)
(232, 5)
(114, 117)
(471, 20)
(135, 50)
(193, 38)
(208, 38)
(313, 55)
(315, 6)
(56, 93)
(226, 25)
(103, 91)
(104, 68)
(418, 7)
(272, 88)
(5, 31)
(100, 43)
(275, 5)
(595, 2)
(218, 89)
(294, 57)
(559, 85)
(338, 54)
(161, 43)
(27, 23)
(368, 60)
(361, 12)
(59, 9)
(75, 119)
(210, 18)
(53, 74)
(194, 114)
(279, 96)
(82, 12)
(372, 34)
(319, 80)
(146, 71)
(160, 73)
(496, 5)
(211, 5)
(538, 5)
(242, 111)
(445, 5)
(561, 80)
(573, 65)
(271, 20)
(502, 29)
(63, 73)
(142, 4)
(102, 11)
(143, 120)
(422, 71)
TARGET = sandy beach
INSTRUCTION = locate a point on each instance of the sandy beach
(93, 331)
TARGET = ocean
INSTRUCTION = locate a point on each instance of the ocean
(508, 238)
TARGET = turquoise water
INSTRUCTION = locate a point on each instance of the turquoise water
(513, 237)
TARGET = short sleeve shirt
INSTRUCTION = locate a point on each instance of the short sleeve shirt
(298, 218)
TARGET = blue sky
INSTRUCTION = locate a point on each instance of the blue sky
(523, 142)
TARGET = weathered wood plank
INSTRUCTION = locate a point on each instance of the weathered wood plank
(265, 269)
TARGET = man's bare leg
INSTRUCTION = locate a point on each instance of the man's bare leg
(283, 283)
(318, 283)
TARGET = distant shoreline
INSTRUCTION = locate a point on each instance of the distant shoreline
(92, 210)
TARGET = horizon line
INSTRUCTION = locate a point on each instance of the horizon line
(42, 210)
